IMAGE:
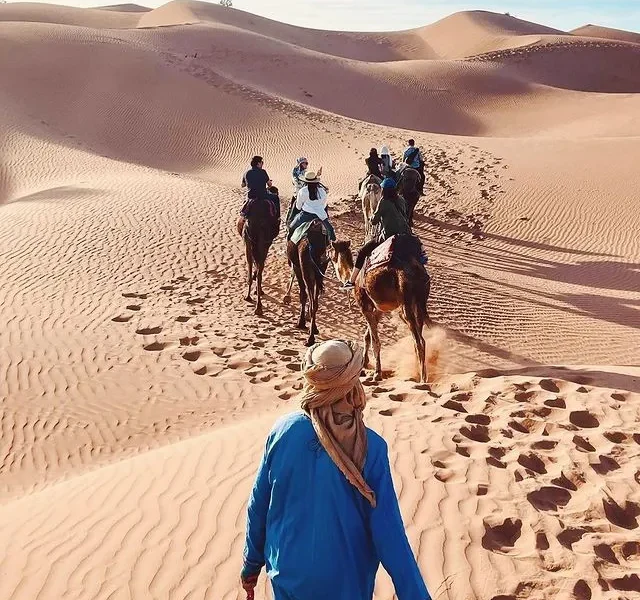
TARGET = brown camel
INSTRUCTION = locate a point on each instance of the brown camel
(309, 261)
(409, 188)
(258, 233)
(403, 284)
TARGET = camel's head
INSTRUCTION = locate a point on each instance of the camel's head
(342, 259)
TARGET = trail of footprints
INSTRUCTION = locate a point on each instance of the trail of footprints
(209, 350)
(557, 448)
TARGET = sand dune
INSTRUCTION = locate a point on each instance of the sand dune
(136, 385)
(68, 15)
(607, 33)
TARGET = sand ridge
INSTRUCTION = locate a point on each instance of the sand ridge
(136, 385)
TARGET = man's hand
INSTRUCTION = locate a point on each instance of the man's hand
(319, 171)
(249, 584)
(269, 183)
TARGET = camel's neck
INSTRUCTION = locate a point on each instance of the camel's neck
(345, 268)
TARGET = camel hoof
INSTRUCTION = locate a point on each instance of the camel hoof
(258, 311)
(286, 300)
(248, 299)
(315, 331)
(310, 342)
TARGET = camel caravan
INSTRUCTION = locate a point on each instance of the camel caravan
(389, 271)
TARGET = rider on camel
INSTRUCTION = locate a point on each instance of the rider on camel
(392, 215)
(412, 157)
(374, 166)
(387, 162)
(311, 204)
(259, 188)
(297, 175)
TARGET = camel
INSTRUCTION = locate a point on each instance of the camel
(403, 284)
(309, 261)
(258, 235)
(409, 188)
(370, 194)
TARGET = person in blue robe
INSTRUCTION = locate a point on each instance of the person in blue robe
(323, 513)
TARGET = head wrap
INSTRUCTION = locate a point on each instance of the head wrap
(388, 183)
(334, 399)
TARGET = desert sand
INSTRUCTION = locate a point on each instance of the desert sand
(137, 386)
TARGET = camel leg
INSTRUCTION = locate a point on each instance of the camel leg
(247, 247)
(416, 323)
(260, 269)
(303, 298)
(287, 296)
(313, 307)
(367, 345)
(373, 318)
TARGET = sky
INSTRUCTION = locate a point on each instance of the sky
(387, 15)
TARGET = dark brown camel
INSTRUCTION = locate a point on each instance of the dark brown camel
(258, 233)
(409, 189)
(309, 261)
(403, 284)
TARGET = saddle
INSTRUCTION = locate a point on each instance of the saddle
(397, 249)
(301, 231)
(252, 202)
(382, 255)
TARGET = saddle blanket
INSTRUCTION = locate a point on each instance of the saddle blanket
(301, 230)
(384, 253)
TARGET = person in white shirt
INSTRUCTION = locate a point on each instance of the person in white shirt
(311, 203)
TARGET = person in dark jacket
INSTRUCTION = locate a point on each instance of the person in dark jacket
(391, 214)
(259, 186)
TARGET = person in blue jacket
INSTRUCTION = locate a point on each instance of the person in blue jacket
(323, 513)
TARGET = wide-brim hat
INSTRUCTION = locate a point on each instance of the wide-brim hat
(311, 177)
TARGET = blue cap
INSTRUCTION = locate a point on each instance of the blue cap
(388, 183)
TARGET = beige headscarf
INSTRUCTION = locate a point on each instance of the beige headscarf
(334, 398)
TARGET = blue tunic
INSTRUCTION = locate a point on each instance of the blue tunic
(318, 536)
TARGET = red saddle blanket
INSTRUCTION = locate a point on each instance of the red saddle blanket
(382, 255)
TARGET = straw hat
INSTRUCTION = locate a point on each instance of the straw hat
(311, 177)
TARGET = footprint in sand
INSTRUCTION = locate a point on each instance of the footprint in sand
(156, 346)
(454, 406)
(549, 386)
(503, 537)
(478, 419)
(134, 307)
(122, 319)
(581, 590)
(571, 535)
(583, 444)
(192, 356)
(149, 331)
(556, 403)
(182, 319)
(616, 437)
(288, 352)
(606, 465)
(622, 516)
(544, 445)
(549, 498)
(532, 462)
(583, 419)
(476, 433)
(134, 295)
